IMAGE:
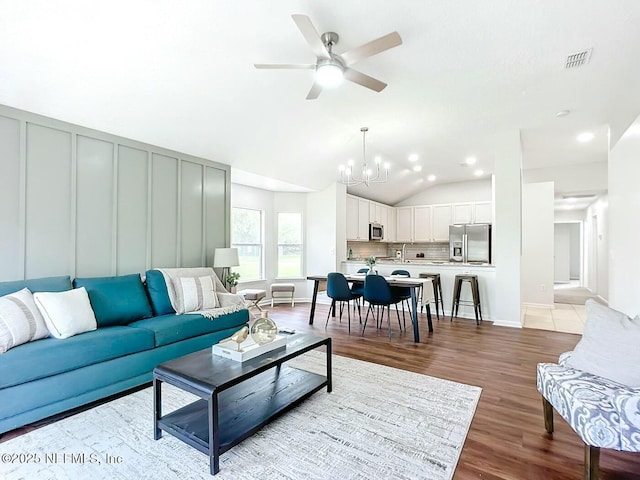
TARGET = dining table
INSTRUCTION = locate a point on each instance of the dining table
(394, 281)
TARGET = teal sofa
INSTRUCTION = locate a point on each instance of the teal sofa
(137, 330)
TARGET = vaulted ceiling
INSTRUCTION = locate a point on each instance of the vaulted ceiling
(180, 74)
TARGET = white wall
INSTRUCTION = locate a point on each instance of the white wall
(507, 194)
(562, 253)
(624, 223)
(80, 202)
(458, 192)
(571, 178)
(575, 253)
(596, 241)
(537, 244)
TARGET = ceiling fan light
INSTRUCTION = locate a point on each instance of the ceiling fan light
(329, 75)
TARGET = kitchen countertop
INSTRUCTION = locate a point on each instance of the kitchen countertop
(420, 261)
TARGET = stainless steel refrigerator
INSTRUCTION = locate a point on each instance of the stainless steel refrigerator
(470, 243)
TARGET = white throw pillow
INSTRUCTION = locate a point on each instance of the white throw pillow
(195, 293)
(66, 313)
(609, 346)
(20, 320)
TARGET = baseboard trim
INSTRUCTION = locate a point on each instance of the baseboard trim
(507, 323)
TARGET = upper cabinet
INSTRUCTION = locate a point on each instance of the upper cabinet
(420, 223)
(404, 224)
(483, 212)
(357, 219)
(462, 213)
(441, 218)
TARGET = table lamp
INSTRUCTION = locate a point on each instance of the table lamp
(225, 258)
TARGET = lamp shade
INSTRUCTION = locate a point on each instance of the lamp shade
(225, 257)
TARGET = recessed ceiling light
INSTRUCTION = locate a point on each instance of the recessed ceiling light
(585, 137)
(563, 113)
(431, 178)
(571, 199)
(417, 168)
(413, 157)
(478, 173)
(471, 160)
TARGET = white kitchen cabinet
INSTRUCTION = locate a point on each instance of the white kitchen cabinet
(441, 218)
(483, 212)
(462, 213)
(375, 212)
(404, 224)
(390, 228)
(383, 219)
(363, 220)
(357, 219)
(422, 223)
(352, 218)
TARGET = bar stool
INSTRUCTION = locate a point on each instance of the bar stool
(475, 293)
(437, 291)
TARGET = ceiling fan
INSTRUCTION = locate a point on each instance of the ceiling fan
(332, 68)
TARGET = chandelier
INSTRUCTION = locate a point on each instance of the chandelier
(368, 174)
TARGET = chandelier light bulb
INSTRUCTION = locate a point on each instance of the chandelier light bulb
(341, 168)
(378, 160)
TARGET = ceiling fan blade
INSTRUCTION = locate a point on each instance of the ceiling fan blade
(314, 92)
(281, 66)
(311, 35)
(364, 80)
(372, 48)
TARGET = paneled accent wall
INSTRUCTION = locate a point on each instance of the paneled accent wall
(86, 203)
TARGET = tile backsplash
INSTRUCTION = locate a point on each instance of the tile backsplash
(438, 251)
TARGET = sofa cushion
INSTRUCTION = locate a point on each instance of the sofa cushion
(66, 313)
(158, 295)
(48, 284)
(51, 356)
(609, 345)
(174, 328)
(20, 320)
(116, 300)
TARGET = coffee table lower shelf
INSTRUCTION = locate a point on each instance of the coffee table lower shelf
(242, 409)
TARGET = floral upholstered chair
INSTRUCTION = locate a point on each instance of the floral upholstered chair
(596, 388)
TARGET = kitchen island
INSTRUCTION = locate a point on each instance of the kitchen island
(447, 271)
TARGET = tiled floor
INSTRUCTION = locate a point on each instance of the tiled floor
(561, 318)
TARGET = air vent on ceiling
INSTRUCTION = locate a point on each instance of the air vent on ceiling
(578, 59)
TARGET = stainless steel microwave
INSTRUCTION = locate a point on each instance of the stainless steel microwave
(376, 231)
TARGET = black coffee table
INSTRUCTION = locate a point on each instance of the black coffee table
(236, 399)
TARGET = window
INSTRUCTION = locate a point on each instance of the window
(289, 245)
(246, 236)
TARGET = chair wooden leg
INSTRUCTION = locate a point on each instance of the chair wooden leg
(547, 408)
(591, 462)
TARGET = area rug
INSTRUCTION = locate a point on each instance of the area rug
(379, 422)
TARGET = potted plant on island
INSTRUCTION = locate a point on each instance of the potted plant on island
(371, 262)
(232, 281)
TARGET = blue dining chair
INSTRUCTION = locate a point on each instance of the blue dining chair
(378, 293)
(338, 290)
(359, 288)
(402, 293)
